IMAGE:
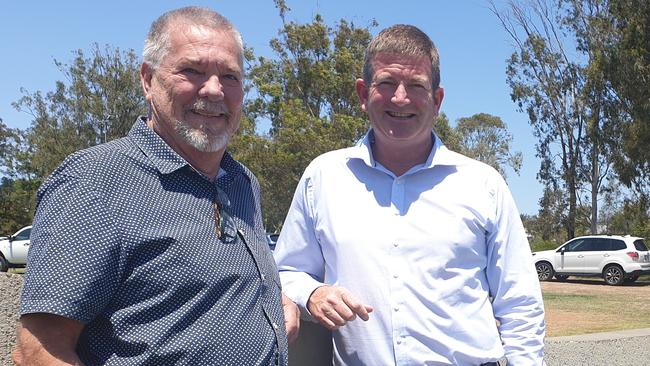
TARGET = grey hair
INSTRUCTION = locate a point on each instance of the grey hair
(156, 45)
(402, 39)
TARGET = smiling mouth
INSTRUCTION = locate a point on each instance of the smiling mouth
(400, 114)
(208, 113)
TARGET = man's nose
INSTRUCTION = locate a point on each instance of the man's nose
(400, 97)
(212, 89)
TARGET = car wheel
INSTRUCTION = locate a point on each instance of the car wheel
(544, 271)
(560, 277)
(613, 275)
(4, 266)
(631, 279)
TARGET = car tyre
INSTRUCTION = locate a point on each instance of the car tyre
(544, 271)
(4, 265)
(560, 277)
(613, 275)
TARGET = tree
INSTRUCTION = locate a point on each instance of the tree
(563, 103)
(17, 203)
(446, 133)
(307, 93)
(99, 101)
(552, 215)
(626, 71)
(486, 138)
(632, 218)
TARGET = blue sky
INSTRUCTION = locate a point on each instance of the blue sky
(473, 50)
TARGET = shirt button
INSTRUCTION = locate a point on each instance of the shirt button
(396, 308)
(395, 275)
(275, 326)
(399, 341)
(395, 245)
(263, 277)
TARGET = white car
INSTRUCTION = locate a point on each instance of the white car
(615, 258)
(271, 239)
(13, 249)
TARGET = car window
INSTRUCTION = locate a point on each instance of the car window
(618, 244)
(599, 244)
(574, 246)
(639, 244)
(24, 234)
(588, 245)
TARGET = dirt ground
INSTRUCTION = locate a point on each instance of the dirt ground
(609, 308)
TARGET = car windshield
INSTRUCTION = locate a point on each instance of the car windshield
(23, 235)
(639, 244)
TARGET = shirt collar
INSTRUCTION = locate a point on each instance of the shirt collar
(439, 154)
(161, 155)
(166, 160)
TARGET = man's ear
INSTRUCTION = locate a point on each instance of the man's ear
(362, 92)
(146, 74)
(438, 96)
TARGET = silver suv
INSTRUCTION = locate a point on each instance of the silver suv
(615, 258)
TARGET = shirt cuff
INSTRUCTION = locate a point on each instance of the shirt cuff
(299, 286)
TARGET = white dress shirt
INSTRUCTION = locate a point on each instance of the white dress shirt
(428, 250)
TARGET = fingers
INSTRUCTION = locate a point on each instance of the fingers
(356, 306)
(334, 306)
(291, 318)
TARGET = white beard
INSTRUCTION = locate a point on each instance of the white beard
(199, 139)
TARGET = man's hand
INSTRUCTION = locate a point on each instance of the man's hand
(334, 306)
(291, 318)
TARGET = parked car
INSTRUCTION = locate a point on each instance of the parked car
(272, 238)
(13, 249)
(615, 258)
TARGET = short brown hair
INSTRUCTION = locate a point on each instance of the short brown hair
(402, 39)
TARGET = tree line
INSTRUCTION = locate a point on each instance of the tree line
(590, 117)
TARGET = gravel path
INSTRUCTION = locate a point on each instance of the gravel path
(10, 285)
(627, 348)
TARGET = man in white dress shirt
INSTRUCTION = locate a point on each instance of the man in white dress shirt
(424, 244)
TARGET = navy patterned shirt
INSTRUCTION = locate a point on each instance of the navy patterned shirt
(124, 240)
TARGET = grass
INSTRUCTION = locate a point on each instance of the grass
(590, 306)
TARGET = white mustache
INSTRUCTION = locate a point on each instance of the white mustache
(207, 107)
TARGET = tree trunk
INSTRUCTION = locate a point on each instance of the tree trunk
(571, 217)
(595, 175)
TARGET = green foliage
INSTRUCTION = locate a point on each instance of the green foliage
(99, 101)
(548, 224)
(563, 93)
(486, 138)
(17, 203)
(633, 218)
(537, 245)
(307, 93)
(446, 133)
(626, 68)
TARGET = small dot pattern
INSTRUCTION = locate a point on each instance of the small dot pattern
(124, 241)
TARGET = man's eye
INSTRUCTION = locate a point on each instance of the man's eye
(231, 77)
(191, 71)
(385, 83)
